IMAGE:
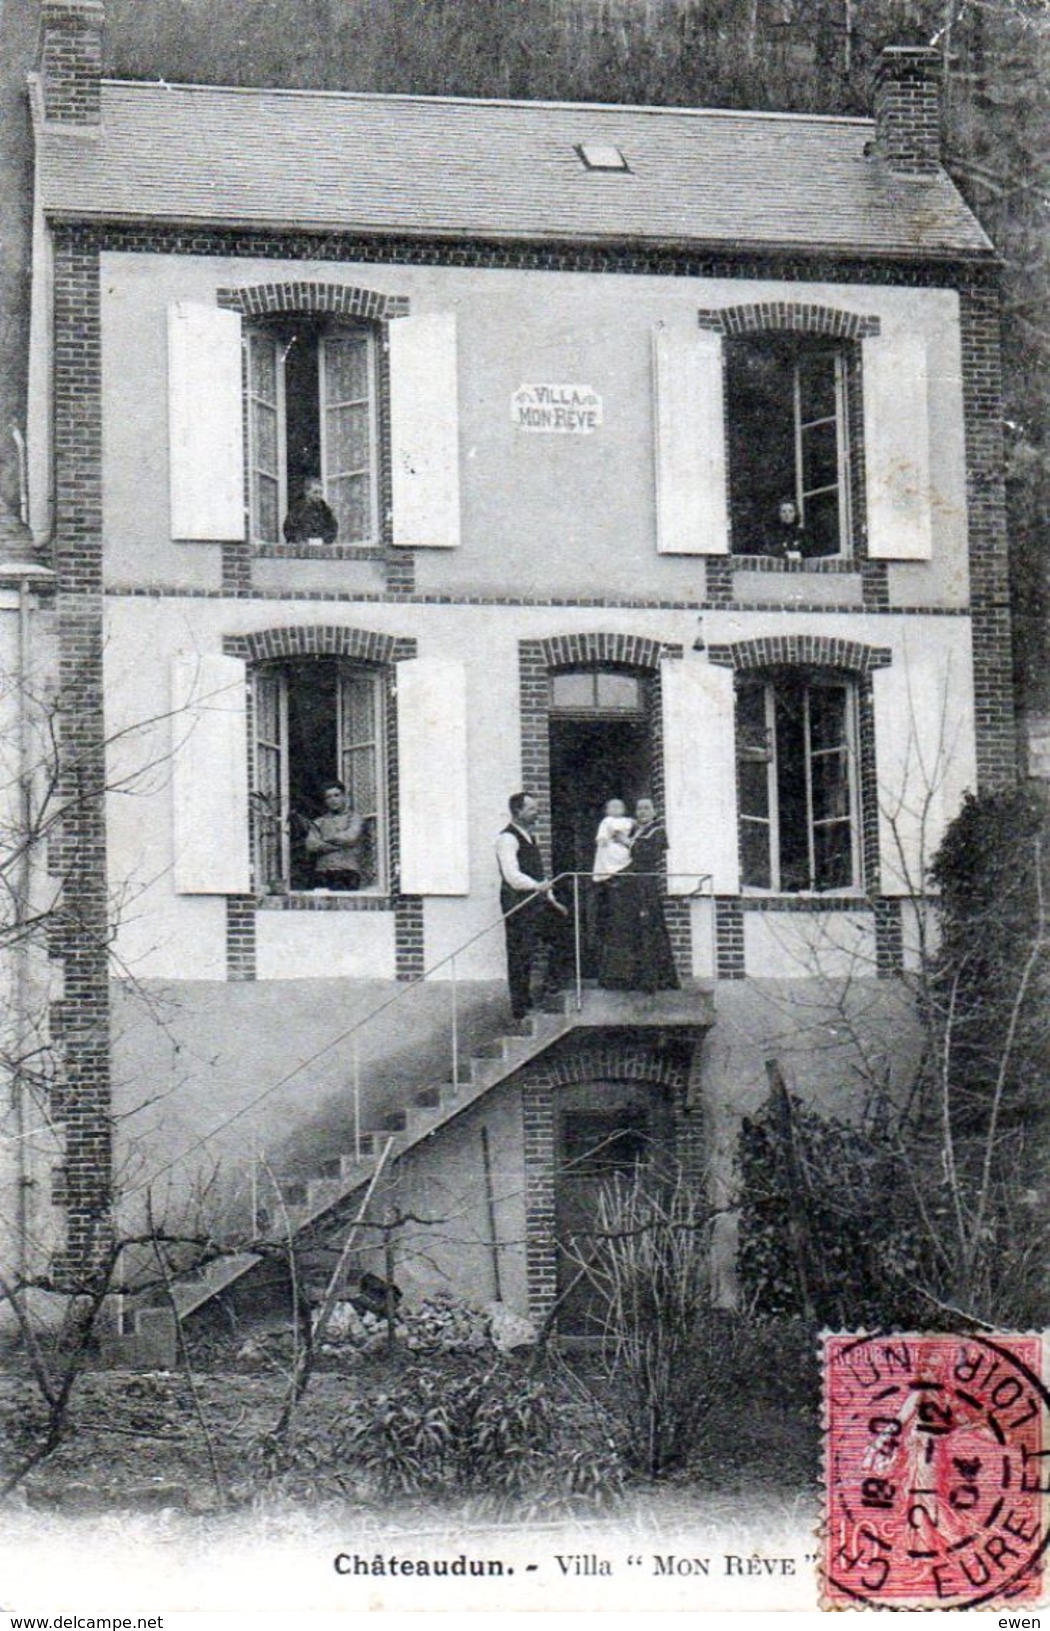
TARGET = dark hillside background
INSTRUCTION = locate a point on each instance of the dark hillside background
(796, 55)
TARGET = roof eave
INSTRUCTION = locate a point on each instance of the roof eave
(808, 247)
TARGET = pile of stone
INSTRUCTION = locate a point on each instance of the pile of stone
(440, 1324)
(436, 1324)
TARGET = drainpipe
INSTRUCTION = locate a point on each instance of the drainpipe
(21, 570)
(21, 949)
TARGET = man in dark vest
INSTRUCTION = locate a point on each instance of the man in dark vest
(537, 920)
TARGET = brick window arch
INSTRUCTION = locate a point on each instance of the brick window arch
(594, 649)
(801, 650)
(328, 299)
(782, 316)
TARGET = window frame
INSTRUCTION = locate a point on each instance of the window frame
(807, 681)
(280, 670)
(321, 330)
(804, 346)
(595, 707)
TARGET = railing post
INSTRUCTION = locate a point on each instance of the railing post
(455, 1028)
(576, 940)
(357, 1098)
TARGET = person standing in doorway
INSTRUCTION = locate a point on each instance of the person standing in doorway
(636, 950)
(533, 916)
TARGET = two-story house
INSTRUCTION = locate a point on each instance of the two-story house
(660, 455)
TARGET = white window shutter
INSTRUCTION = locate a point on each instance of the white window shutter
(925, 754)
(424, 430)
(209, 777)
(700, 775)
(692, 516)
(897, 447)
(432, 776)
(205, 423)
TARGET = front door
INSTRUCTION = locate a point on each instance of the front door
(600, 749)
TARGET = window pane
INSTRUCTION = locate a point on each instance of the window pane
(816, 386)
(358, 708)
(267, 508)
(833, 856)
(361, 760)
(830, 773)
(572, 690)
(359, 774)
(346, 368)
(754, 855)
(820, 456)
(752, 734)
(350, 498)
(827, 717)
(618, 691)
(267, 707)
(268, 811)
(753, 780)
(262, 352)
(302, 410)
(822, 531)
(264, 438)
(348, 445)
(792, 800)
(760, 384)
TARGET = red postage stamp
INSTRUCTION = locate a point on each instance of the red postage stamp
(936, 1469)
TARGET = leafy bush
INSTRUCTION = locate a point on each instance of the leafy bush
(494, 1434)
(843, 1189)
(877, 1240)
(987, 987)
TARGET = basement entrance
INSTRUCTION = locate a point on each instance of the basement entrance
(608, 1134)
(600, 749)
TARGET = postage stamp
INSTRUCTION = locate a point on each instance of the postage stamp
(936, 1470)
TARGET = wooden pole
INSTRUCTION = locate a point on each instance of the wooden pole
(490, 1209)
(798, 1221)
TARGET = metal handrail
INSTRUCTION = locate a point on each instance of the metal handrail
(402, 994)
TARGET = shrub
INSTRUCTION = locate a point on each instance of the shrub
(492, 1433)
(647, 1260)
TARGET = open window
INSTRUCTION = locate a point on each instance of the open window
(312, 416)
(318, 721)
(797, 782)
(788, 428)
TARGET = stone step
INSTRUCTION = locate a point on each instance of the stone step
(321, 1192)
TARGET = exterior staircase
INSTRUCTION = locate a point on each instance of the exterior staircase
(309, 1208)
(149, 1340)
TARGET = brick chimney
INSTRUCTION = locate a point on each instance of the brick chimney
(71, 60)
(908, 109)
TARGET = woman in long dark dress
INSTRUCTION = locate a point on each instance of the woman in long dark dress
(636, 948)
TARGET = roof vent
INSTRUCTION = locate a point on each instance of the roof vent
(601, 156)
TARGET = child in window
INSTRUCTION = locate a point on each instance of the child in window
(612, 852)
(310, 521)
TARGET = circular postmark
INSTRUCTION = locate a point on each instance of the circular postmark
(936, 1468)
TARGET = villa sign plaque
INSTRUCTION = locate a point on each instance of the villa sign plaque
(556, 410)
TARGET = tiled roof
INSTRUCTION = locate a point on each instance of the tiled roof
(421, 165)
